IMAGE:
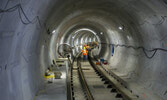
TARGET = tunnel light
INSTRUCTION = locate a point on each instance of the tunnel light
(120, 27)
(101, 33)
(53, 31)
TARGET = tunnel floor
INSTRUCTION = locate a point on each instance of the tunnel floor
(56, 90)
(53, 91)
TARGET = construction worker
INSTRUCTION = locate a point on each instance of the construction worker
(87, 48)
(84, 53)
(85, 45)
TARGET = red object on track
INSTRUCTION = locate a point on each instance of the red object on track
(105, 62)
(97, 63)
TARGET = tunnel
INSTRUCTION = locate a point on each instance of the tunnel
(131, 35)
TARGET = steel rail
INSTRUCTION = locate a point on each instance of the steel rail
(69, 79)
(83, 82)
(127, 95)
(69, 88)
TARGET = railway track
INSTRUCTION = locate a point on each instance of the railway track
(87, 81)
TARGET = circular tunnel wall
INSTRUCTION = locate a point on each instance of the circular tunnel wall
(30, 37)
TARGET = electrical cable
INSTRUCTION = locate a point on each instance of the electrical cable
(161, 21)
(139, 47)
(10, 9)
(22, 14)
(39, 21)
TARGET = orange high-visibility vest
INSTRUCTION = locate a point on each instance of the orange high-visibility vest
(84, 52)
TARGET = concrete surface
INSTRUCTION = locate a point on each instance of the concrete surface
(56, 90)
(97, 87)
(53, 91)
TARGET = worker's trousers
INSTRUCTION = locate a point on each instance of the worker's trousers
(84, 57)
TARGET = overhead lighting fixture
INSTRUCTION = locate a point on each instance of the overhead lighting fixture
(53, 31)
(120, 27)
